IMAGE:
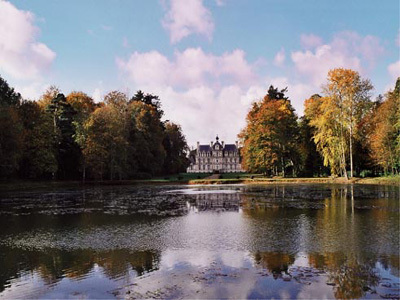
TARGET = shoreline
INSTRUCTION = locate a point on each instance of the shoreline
(6, 186)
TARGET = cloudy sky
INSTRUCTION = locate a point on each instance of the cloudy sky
(207, 60)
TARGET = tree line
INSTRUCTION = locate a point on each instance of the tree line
(72, 137)
(343, 131)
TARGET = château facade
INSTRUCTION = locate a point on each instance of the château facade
(215, 157)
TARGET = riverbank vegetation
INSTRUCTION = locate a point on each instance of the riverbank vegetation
(72, 137)
(343, 133)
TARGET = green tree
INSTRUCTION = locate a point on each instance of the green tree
(176, 149)
(68, 150)
(147, 137)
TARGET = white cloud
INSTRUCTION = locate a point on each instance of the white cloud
(185, 17)
(21, 55)
(279, 58)
(190, 68)
(347, 50)
(310, 41)
(33, 90)
(394, 70)
(97, 95)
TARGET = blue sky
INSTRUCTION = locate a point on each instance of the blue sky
(207, 60)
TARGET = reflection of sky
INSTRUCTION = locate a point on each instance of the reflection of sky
(259, 238)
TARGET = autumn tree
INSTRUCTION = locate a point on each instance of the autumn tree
(270, 136)
(50, 93)
(350, 95)
(385, 136)
(106, 144)
(84, 107)
(311, 159)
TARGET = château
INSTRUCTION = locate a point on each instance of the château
(217, 157)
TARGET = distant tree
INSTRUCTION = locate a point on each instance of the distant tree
(271, 134)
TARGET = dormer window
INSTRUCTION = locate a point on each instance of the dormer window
(216, 147)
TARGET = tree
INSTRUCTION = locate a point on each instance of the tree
(270, 136)
(176, 149)
(311, 159)
(328, 132)
(351, 95)
(48, 96)
(7, 94)
(39, 157)
(106, 144)
(147, 137)
(149, 99)
(84, 107)
(384, 139)
(11, 130)
(68, 150)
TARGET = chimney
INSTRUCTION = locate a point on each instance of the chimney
(222, 144)
(237, 145)
(211, 143)
(198, 147)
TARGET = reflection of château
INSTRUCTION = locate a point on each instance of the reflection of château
(228, 202)
(216, 157)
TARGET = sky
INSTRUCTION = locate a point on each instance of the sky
(206, 60)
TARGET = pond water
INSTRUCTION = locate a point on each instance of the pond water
(239, 241)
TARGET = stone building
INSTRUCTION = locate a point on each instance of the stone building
(217, 157)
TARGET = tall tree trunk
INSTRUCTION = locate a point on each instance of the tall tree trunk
(351, 151)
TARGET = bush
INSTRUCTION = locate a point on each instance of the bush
(180, 177)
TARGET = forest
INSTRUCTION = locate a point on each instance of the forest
(343, 132)
(72, 137)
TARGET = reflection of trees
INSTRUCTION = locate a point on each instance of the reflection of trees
(351, 278)
(53, 265)
(275, 262)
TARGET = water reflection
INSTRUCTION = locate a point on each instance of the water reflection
(287, 241)
(217, 202)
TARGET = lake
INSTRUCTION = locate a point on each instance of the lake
(226, 241)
